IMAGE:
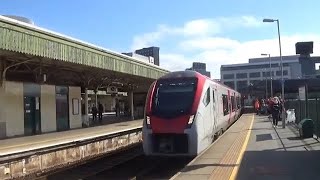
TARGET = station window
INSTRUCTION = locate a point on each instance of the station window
(206, 98)
(285, 73)
(255, 74)
(225, 104)
(241, 75)
(267, 74)
(228, 76)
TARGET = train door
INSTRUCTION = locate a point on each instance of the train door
(214, 109)
(207, 110)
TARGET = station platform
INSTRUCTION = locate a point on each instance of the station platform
(28, 143)
(253, 149)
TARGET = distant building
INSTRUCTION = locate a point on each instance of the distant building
(201, 68)
(150, 55)
(239, 76)
(140, 57)
(150, 51)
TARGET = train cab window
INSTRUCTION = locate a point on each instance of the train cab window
(173, 98)
(206, 98)
(225, 105)
(233, 103)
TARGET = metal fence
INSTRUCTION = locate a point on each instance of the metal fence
(306, 109)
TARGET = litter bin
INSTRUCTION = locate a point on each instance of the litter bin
(306, 128)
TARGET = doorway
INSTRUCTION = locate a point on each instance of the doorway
(32, 113)
(62, 108)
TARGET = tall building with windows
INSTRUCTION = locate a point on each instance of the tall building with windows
(150, 51)
(201, 68)
(239, 76)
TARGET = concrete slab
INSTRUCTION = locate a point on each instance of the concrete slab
(221, 156)
(27, 143)
(285, 156)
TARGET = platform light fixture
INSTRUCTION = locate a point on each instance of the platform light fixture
(282, 80)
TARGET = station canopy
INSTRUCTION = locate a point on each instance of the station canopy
(33, 54)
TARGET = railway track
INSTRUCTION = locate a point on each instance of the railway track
(143, 167)
(94, 167)
(128, 164)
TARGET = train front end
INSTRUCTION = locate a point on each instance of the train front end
(171, 106)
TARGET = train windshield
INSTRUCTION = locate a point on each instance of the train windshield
(173, 98)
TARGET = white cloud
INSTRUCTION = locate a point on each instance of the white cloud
(204, 44)
(174, 62)
(200, 27)
(209, 43)
(197, 27)
(215, 55)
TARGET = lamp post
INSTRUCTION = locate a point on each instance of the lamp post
(271, 74)
(282, 80)
(265, 71)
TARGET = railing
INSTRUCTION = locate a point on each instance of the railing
(306, 109)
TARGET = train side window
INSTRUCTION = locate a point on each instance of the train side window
(225, 104)
(206, 98)
(238, 102)
(233, 103)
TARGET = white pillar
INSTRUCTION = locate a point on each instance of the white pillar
(131, 104)
(86, 106)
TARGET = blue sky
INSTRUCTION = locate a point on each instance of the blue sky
(215, 32)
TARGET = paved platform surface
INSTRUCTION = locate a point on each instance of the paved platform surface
(27, 143)
(220, 158)
(257, 151)
(279, 154)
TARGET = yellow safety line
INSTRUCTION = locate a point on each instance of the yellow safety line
(235, 170)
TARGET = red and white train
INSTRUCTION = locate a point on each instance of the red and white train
(185, 111)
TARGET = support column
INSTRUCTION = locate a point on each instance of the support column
(86, 105)
(131, 106)
(2, 67)
(96, 97)
(1, 95)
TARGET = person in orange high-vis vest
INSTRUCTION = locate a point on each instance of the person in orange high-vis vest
(257, 106)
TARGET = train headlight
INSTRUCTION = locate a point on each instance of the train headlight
(191, 119)
(148, 122)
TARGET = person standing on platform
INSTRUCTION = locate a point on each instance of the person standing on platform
(117, 108)
(94, 112)
(276, 107)
(257, 106)
(100, 109)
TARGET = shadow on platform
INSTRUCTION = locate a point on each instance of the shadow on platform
(273, 164)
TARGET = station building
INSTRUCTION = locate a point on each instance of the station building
(48, 81)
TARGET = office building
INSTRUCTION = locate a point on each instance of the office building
(239, 76)
(201, 68)
(150, 51)
(140, 57)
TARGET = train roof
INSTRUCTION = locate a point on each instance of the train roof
(190, 74)
(180, 74)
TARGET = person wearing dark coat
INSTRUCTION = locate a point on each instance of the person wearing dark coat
(100, 110)
(94, 112)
